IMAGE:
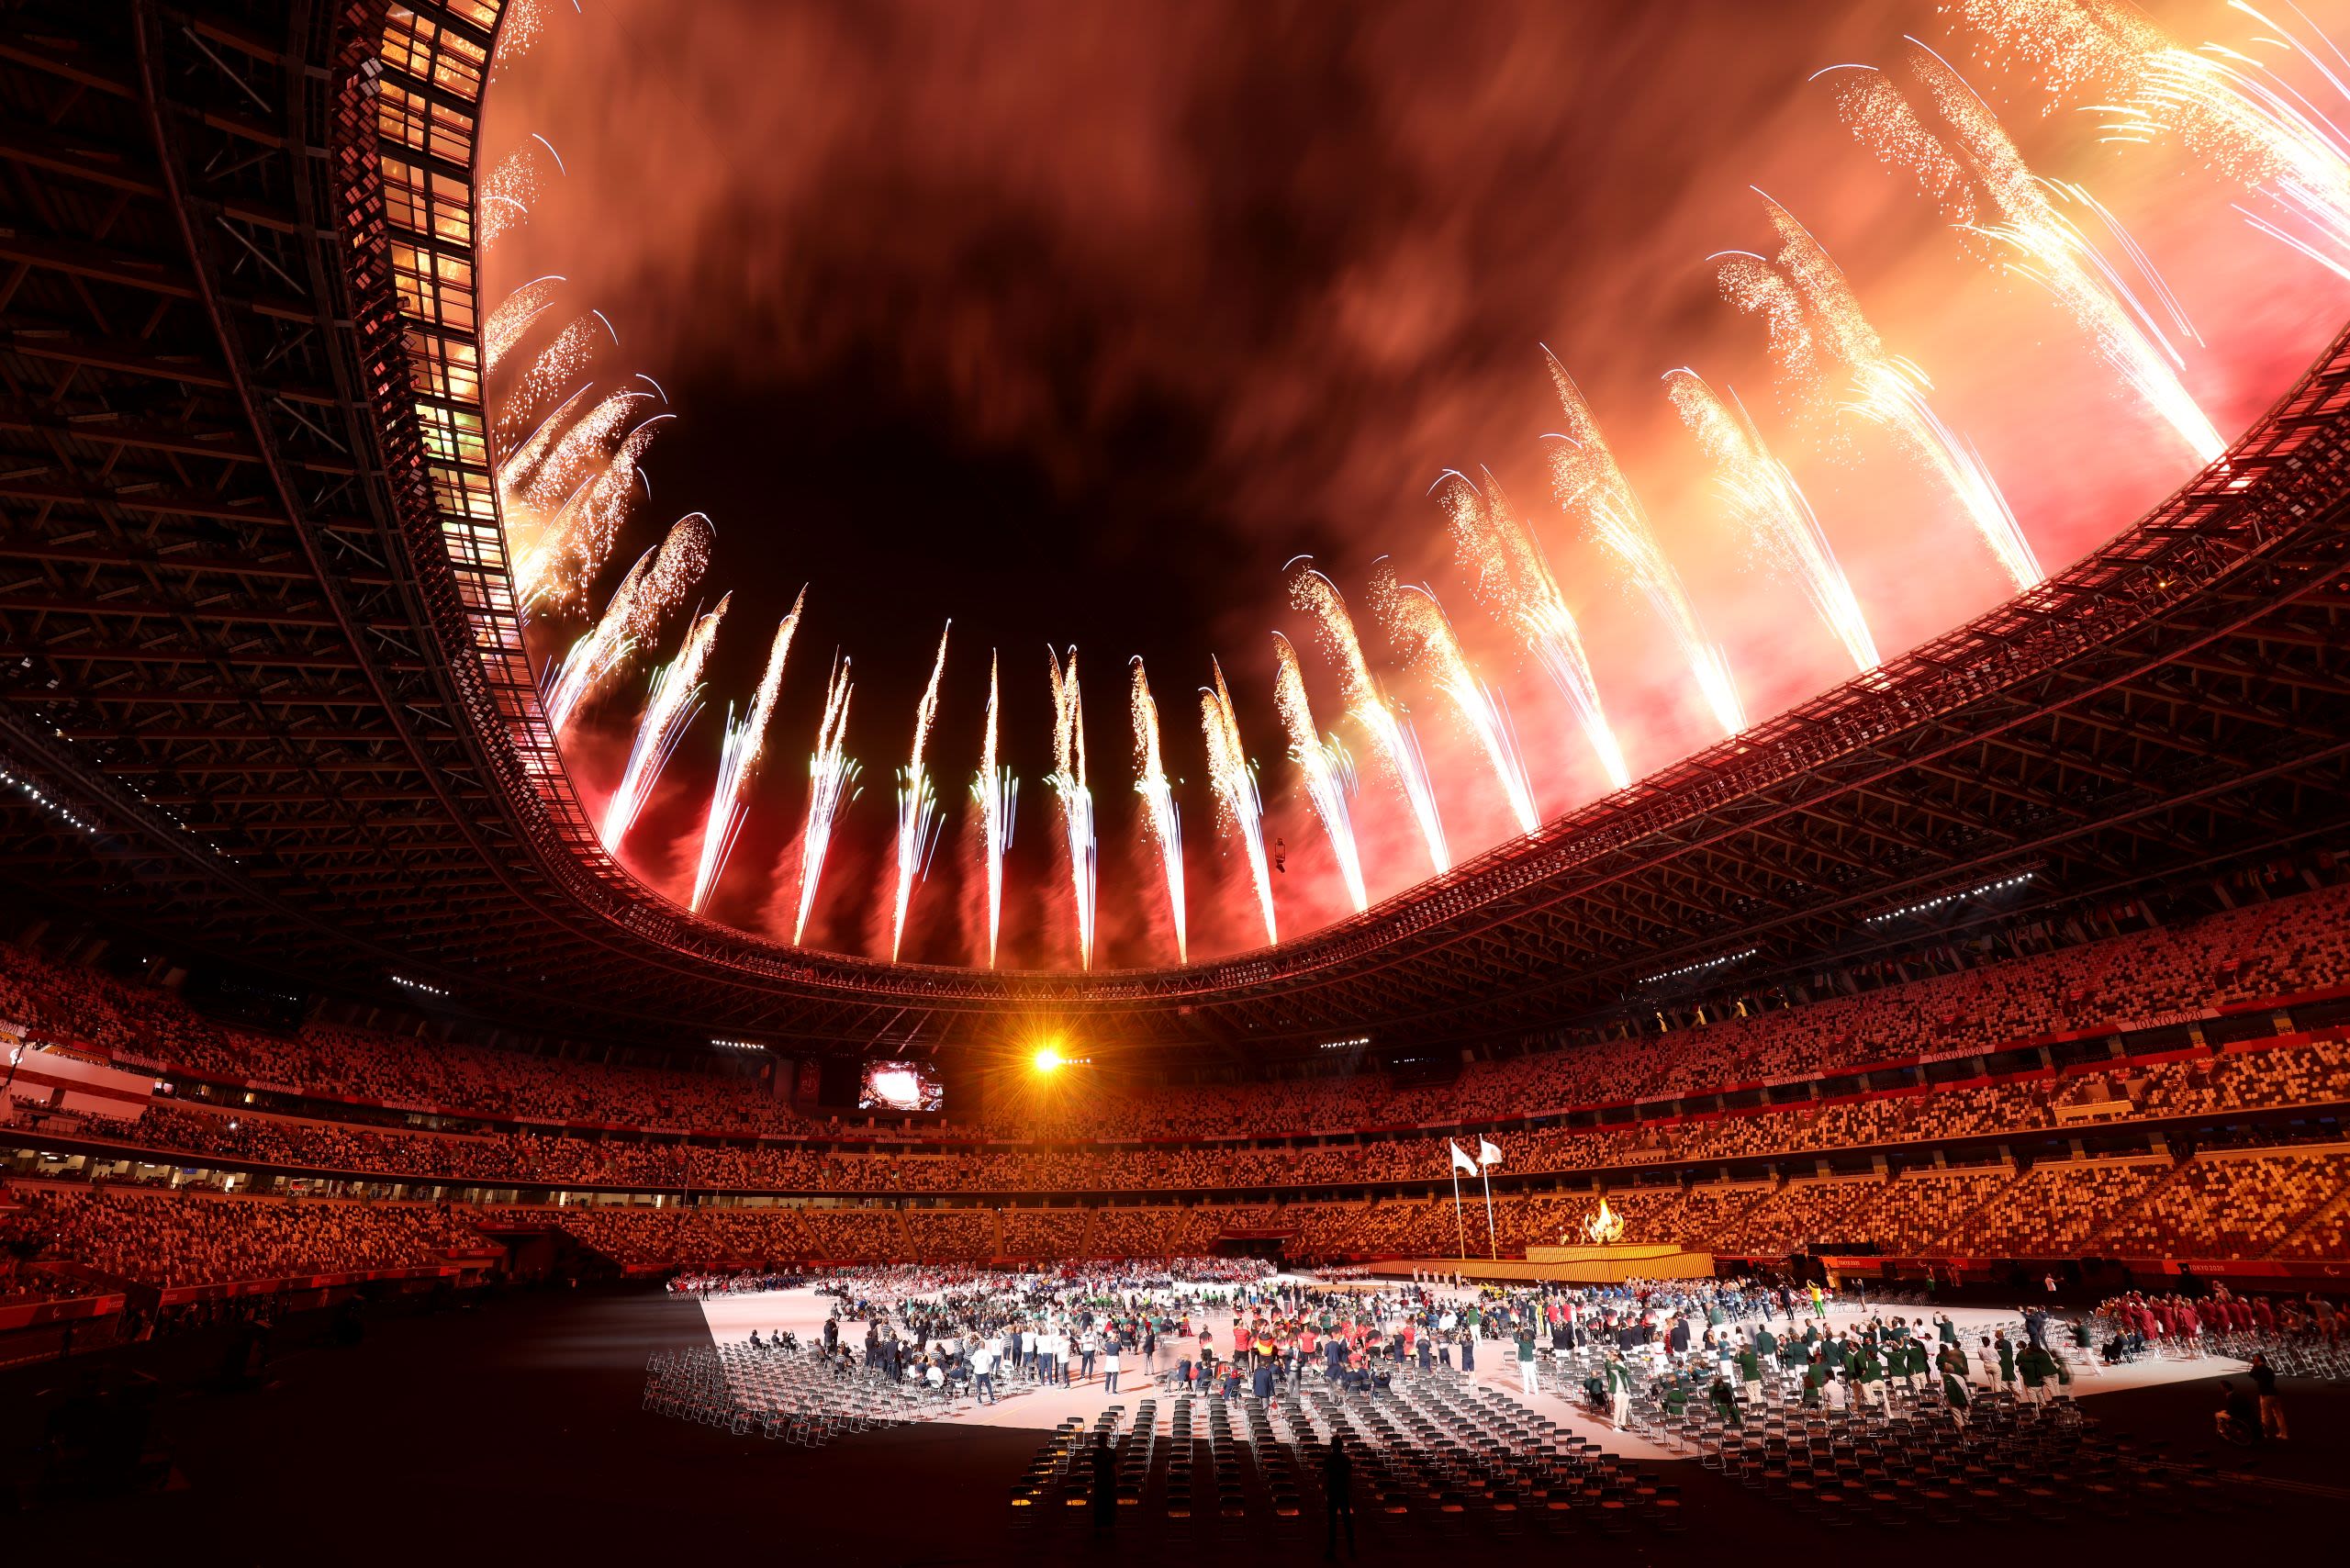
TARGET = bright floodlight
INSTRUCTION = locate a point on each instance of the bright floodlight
(1047, 1059)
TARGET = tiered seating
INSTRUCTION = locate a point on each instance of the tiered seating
(187, 1240)
(2227, 1207)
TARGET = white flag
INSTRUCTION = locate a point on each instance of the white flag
(1486, 1153)
(1461, 1160)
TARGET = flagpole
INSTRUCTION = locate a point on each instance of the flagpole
(1493, 1241)
(1460, 1226)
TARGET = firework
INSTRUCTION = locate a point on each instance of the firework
(524, 20)
(2228, 107)
(502, 201)
(675, 698)
(537, 480)
(1329, 772)
(1234, 779)
(1772, 509)
(1421, 631)
(1165, 823)
(1820, 336)
(1985, 187)
(1513, 579)
(513, 316)
(738, 764)
(1390, 731)
(832, 785)
(632, 619)
(1585, 473)
(917, 804)
(1068, 781)
(997, 794)
(561, 365)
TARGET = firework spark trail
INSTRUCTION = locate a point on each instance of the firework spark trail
(1985, 187)
(998, 795)
(1421, 631)
(1160, 814)
(832, 785)
(738, 765)
(675, 698)
(514, 315)
(1234, 779)
(632, 619)
(1513, 579)
(2228, 107)
(561, 365)
(1818, 332)
(917, 804)
(1329, 772)
(1390, 732)
(1068, 781)
(502, 201)
(1585, 475)
(576, 455)
(1772, 509)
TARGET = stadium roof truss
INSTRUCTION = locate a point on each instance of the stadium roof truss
(263, 690)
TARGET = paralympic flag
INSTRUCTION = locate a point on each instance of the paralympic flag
(1487, 1154)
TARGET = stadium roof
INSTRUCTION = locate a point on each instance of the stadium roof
(263, 692)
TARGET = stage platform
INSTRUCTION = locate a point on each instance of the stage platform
(1573, 1265)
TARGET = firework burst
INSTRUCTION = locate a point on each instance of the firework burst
(832, 785)
(1068, 781)
(1512, 578)
(1329, 772)
(997, 794)
(1984, 189)
(1234, 779)
(1773, 511)
(1819, 337)
(1585, 473)
(2229, 107)
(1422, 634)
(658, 584)
(675, 698)
(1390, 731)
(1159, 816)
(502, 201)
(557, 372)
(738, 765)
(917, 804)
(514, 315)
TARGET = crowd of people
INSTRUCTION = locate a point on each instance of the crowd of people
(2277, 948)
(188, 1240)
(2298, 1070)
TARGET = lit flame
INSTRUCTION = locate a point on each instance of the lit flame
(1605, 1228)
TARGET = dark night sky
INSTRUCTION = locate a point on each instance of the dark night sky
(1074, 323)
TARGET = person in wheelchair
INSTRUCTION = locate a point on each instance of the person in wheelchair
(2237, 1420)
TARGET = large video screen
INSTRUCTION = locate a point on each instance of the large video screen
(900, 1086)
